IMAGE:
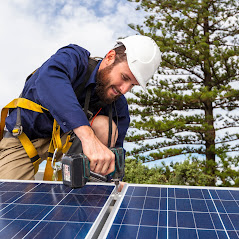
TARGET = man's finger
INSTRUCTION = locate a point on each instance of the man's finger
(110, 168)
(93, 165)
(98, 167)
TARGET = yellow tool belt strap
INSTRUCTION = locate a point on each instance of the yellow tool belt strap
(26, 142)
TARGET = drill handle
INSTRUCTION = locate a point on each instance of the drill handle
(76, 147)
(119, 162)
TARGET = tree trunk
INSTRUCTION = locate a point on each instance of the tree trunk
(210, 131)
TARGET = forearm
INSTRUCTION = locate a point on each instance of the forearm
(85, 134)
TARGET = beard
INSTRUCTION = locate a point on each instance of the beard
(103, 85)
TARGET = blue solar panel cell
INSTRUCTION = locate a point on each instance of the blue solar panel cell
(146, 232)
(151, 203)
(171, 203)
(235, 194)
(196, 193)
(131, 216)
(41, 210)
(183, 205)
(162, 220)
(149, 218)
(170, 219)
(154, 192)
(203, 220)
(162, 233)
(136, 202)
(186, 233)
(199, 205)
(235, 220)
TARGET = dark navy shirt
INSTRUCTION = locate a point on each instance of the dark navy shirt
(53, 85)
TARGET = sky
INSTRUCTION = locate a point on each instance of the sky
(32, 30)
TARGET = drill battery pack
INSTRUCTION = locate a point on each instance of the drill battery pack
(75, 170)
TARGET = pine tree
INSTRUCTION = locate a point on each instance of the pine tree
(194, 96)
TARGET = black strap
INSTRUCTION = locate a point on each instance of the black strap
(110, 126)
(91, 66)
(87, 100)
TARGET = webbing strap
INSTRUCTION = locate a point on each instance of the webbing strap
(25, 141)
(22, 103)
(30, 150)
(48, 173)
(55, 143)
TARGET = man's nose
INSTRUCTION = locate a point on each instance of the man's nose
(125, 87)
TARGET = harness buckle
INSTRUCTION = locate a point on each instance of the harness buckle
(17, 130)
(57, 166)
(89, 115)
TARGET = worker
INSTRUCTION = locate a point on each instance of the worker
(53, 86)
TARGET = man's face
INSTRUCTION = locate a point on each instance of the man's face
(114, 81)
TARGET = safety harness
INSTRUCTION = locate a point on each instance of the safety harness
(55, 143)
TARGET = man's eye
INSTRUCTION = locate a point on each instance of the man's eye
(125, 78)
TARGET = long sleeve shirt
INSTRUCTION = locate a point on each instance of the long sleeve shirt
(53, 85)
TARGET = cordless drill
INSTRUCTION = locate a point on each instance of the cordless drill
(76, 166)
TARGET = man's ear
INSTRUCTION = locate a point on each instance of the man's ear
(110, 57)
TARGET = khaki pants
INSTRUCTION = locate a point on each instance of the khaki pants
(14, 161)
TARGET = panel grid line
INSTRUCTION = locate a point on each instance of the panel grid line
(13, 203)
(19, 197)
(218, 214)
(73, 215)
(46, 216)
(210, 214)
(142, 213)
(167, 215)
(125, 213)
(159, 198)
(176, 213)
(227, 213)
(237, 202)
(190, 200)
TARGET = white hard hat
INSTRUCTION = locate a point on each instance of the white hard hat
(143, 57)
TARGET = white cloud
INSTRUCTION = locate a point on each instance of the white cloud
(31, 31)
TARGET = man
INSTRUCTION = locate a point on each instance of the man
(132, 62)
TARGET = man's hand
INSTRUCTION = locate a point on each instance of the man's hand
(102, 159)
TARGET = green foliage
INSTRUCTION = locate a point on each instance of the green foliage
(136, 172)
(191, 172)
(199, 40)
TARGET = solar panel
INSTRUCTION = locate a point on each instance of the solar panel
(49, 210)
(175, 212)
(52, 210)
